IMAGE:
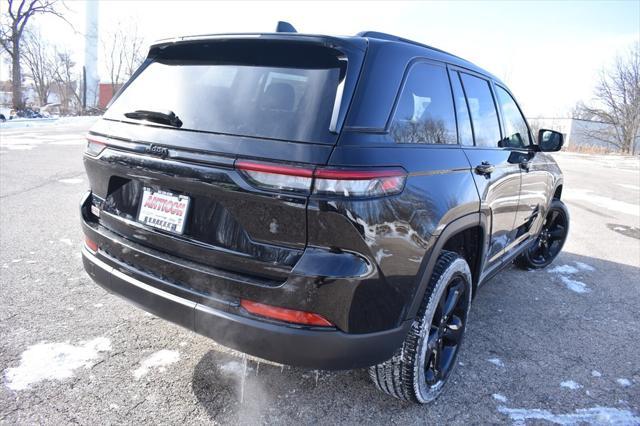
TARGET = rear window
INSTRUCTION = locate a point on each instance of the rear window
(268, 94)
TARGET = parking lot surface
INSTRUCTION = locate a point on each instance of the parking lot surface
(558, 345)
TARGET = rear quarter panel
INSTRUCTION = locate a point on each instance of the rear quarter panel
(394, 233)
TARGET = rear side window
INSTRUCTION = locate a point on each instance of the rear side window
(424, 113)
(486, 127)
(515, 127)
(261, 93)
(465, 133)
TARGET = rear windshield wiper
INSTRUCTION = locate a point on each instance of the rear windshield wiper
(166, 117)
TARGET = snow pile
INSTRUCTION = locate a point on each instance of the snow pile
(71, 181)
(592, 416)
(54, 361)
(18, 123)
(603, 202)
(496, 361)
(570, 384)
(158, 359)
(574, 285)
(623, 382)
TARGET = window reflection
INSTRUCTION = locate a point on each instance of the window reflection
(424, 113)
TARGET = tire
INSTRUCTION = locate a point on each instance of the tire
(550, 240)
(409, 374)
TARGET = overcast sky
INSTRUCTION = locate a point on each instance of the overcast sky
(549, 53)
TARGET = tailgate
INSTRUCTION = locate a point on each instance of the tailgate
(259, 99)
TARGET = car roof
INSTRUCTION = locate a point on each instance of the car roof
(370, 37)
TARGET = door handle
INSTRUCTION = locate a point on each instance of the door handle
(485, 168)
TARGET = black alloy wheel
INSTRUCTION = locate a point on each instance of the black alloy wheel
(421, 368)
(550, 240)
(447, 329)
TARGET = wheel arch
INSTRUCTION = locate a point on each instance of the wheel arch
(557, 193)
(456, 232)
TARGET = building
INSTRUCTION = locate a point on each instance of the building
(581, 135)
(106, 92)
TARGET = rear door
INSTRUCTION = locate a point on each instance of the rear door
(275, 99)
(496, 173)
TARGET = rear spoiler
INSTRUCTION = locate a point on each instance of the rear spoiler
(355, 43)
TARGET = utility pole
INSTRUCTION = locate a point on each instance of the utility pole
(91, 78)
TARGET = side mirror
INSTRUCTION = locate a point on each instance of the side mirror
(550, 140)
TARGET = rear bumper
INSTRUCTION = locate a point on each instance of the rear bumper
(291, 345)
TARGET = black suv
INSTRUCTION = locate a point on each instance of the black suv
(323, 202)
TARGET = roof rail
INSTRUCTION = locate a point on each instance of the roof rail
(285, 27)
(391, 37)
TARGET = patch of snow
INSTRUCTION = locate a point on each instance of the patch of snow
(593, 416)
(19, 147)
(584, 266)
(16, 261)
(54, 361)
(563, 269)
(570, 384)
(157, 359)
(624, 185)
(66, 241)
(381, 254)
(623, 382)
(32, 261)
(69, 142)
(604, 202)
(575, 286)
(114, 406)
(98, 305)
(596, 373)
(71, 180)
(496, 361)
(499, 397)
(183, 344)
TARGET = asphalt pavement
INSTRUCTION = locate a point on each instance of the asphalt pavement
(559, 345)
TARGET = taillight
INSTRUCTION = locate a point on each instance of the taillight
(95, 145)
(284, 314)
(277, 177)
(324, 181)
(91, 245)
(359, 183)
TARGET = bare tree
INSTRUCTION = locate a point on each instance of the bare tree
(617, 103)
(66, 83)
(124, 53)
(40, 64)
(12, 30)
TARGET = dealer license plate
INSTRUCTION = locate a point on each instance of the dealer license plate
(163, 210)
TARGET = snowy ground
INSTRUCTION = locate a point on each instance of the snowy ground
(554, 346)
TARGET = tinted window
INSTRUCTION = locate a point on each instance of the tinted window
(425, 110)
(465, 135)
(483, 111)
(288, 101)
(515, 126)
